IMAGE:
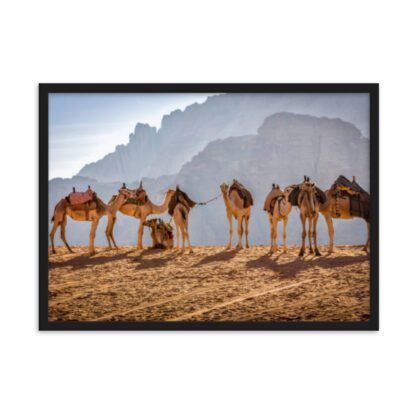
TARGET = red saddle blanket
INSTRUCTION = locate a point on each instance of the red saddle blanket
(80, 197)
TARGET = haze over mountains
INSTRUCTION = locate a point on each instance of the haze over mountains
(259, 139)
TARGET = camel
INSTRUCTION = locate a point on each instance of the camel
(337, 206)
(179, 208)
(139, 207)
(238, 202)
(161, 233)
(278, 209)
(308, 198)
(91, 211)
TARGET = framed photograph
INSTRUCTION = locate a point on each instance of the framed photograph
(208, 207)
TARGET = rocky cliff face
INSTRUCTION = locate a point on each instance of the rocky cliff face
(286, 147)
(183, 134)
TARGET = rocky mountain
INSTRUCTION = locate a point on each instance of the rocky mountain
(286, 147)
(183, 134)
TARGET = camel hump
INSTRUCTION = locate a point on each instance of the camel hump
(271, 199)
(180, 197)
(353, 185)
(76, 198)
(243, 193)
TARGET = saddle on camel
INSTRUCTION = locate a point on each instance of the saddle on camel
(359, 199)
(180, 197)
(294, 194)
(83, 201)
(161, 233)
(275, 195)
(243, 192)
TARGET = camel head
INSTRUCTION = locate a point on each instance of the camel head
(151, 223)
(309, 188)
(224, 188)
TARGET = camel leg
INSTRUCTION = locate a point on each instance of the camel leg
(367, 244)
(246, 220)
(310, 228)
(285, 219)
(140, 234)
(63, 236)
(178, 247)
(302, 249)
(187, 238)
(330, 225)
(108, 231)
(112, 233)
(183, 237)
(240, 232)
(272, 234)
(52, 235)
(230, 222)
(92, 235)
(315, 222)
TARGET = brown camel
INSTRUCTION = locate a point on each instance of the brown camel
(340, 196)
(90, 211)
(238, 202)
(308, 198)
(140, 206)
(278, 209)
(179, 208)
(161, 233)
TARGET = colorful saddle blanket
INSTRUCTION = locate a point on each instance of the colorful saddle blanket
(76, 198)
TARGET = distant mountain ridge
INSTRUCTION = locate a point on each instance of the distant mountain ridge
(152, 153)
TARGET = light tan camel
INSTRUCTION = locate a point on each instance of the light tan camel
(141, 209)
(338, 207)
(179, 208)
(237, 207)
(93, 213)
(307, 201)
(278, 209)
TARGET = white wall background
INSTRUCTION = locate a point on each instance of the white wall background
(205, 373)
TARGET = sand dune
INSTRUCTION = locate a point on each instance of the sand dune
(209, 285)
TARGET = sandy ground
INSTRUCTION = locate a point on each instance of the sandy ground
(209, 285)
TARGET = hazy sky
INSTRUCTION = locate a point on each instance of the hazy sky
(85, 127)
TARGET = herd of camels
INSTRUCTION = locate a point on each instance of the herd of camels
(345, 200)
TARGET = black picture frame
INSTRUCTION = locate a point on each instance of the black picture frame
(46, 89)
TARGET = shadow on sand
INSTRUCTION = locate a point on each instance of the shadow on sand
(86, 259)
(291, 269)
(224, 255)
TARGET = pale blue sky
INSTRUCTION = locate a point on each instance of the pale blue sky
(85, 127)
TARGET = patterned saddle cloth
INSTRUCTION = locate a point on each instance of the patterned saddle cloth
(76, 198)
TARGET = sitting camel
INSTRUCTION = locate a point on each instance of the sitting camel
(346, 200)
(89, 211)
(179, 207)
(161, 233)
(138, 206)
(238, 202)
(308, 198)
(278, 209)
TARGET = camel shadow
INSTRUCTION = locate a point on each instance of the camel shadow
(300, 264)
(86, 259)
(145, 263)
(221, 256)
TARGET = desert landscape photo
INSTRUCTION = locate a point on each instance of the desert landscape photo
(215, 207)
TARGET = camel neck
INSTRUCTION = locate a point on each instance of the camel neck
(160, 209)
(116, 204)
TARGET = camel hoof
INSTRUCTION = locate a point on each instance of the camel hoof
(301, 253)
(317, 253)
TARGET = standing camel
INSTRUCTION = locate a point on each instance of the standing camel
(139, 206)
(89, 211)
(278, 209)
(340, 199)
(179, 207)
(308, 198)
(238, 202)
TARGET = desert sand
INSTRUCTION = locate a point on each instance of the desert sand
(210, 284)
